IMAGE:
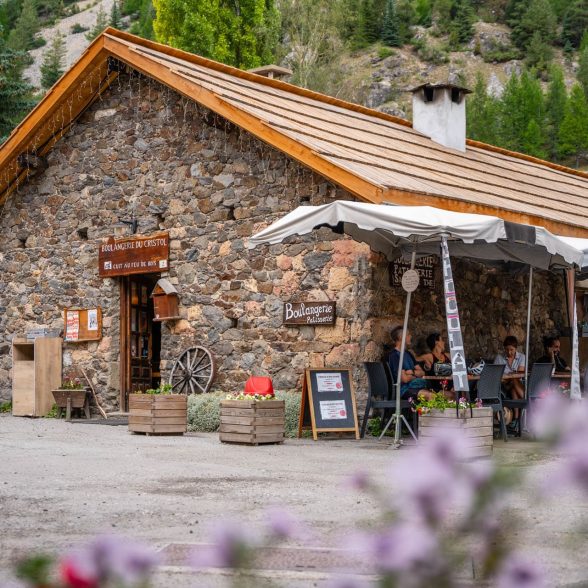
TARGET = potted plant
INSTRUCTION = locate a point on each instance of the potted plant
(252, 419)
(71, 394)
(439, 413)
(158, 412)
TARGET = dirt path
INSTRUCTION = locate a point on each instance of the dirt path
(75, 43)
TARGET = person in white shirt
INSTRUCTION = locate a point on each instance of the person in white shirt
(515, 363)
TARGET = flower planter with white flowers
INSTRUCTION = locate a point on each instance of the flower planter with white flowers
(252, 419)
(158, 412)
(477, 427)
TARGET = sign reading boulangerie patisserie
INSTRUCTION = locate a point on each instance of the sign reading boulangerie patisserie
(309, 313)
(133, 255)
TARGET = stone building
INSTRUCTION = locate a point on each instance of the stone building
(198, 156)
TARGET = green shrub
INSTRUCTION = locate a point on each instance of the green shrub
(6, 406)
(53, 413)
(78, 28)
(204, 411)
(384, 52)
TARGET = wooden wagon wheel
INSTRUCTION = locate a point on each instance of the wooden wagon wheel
(193, 372)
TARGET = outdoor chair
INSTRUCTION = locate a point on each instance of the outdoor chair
(539, 382)
(381, 392)
(490, 394)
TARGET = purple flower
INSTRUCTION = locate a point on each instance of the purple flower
(283, 525)
(233, 547)
(520, 572)
(359, 481)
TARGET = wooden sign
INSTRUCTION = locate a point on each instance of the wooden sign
(328, 402)
(133, 255)
(82, 324)
(425, 266)
(309, 313)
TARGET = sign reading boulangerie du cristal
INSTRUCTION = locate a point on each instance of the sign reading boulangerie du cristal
(309, 313)
(134, 255)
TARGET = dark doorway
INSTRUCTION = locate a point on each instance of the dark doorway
(140, 337)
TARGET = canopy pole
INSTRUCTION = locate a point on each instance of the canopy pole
(528, 340)
(398, 420)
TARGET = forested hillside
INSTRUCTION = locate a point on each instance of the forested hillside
(526, 60)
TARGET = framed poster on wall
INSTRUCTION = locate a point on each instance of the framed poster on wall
(82, 324)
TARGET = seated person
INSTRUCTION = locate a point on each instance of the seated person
(437, 355)
(412, 385)
(515, 363)
(552, 346)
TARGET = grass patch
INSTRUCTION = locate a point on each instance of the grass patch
(6, 406)
(204, 411)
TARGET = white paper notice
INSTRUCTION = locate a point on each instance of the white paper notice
(326, 382)
(333, 410)
(72, 326)
(92, 319)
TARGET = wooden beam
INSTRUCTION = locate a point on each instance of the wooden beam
(183, 84)
(411, 199)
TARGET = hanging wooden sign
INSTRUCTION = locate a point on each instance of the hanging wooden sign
(425, 266)
(309, 313)
(82, 324)
(133, 255)
(328, 402)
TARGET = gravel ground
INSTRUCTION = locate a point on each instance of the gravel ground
(75, 43)
(61, 483)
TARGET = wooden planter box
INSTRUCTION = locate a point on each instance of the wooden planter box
(251, 422)
(158, 414)
(67, 399)
(478, 429)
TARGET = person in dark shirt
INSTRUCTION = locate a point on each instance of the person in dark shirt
(552, 346)
(412, 373)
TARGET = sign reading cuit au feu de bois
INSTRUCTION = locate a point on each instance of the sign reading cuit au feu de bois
(133, 255)
(309, 313)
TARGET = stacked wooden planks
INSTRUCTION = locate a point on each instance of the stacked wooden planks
(158, 414)
(477, 429)
(252, 422)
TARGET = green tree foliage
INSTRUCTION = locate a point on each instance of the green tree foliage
(423, 12)
(9, 12)
(482, 113)
(53, 64)
(101, 24)
(463, 20)
(575, 22)
(115, 15)
(555, 106)
(573, 134)
(582, 74)
(442, 15)
(15, 94)
(243, 33)
(538, 17)
(390, 29)
(23, 34)
(406, 18)
(539, 54)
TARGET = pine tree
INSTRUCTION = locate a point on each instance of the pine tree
(115, 15)
(406, 18)
(15, 94)
(463, 20)
(243, 33)
(533, 140)
(101, 24)
(442, 15)
(538, 17)
(555, 106)
(482, 113)
(390, 33)
(539, 54)
(582, 74)
(22, 37)
(422, 10)
(575, 23)
(53, 65)
(573, 134)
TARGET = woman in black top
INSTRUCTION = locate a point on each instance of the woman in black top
(437, 355)
(552, 346)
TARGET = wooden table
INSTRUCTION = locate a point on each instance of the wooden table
(472, 378)
(561, 376)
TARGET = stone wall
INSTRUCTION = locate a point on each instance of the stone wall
(144, 151)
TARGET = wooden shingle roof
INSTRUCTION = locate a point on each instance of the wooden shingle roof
(373, 155)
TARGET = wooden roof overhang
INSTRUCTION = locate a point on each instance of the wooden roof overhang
(375, 156)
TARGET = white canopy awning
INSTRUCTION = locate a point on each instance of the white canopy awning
(390, 229)
(582, 245)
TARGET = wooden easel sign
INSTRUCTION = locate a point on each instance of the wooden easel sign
(328, 402)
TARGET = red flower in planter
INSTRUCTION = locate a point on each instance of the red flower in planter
(75, 576)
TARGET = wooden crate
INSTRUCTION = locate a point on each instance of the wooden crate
(478, 429)
(251, 422)
(68, 399)
(158, 414)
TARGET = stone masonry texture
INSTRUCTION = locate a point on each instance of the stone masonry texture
(142, 150)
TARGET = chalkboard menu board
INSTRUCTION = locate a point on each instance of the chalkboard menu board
(328, 402)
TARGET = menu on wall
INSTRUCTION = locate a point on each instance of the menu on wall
(82, 324)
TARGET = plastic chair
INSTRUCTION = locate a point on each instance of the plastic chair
(539, 382)
(489, 391)
(381, 392)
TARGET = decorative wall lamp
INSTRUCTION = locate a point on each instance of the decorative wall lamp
(122, 227)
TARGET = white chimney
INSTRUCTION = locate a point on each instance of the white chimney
(438, 111)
